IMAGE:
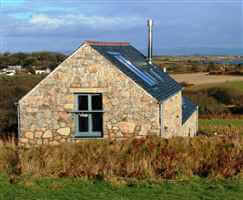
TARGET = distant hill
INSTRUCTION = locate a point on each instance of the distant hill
(204, 51)
(184, 51)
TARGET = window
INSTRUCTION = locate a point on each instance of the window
(89, 115)
(141, 74)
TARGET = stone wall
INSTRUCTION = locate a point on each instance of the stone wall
(190, 127)
(45, 116)
(172, 116)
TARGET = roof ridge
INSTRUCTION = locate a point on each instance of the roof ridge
(101, 43)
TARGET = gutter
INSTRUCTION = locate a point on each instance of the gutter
(160, 117)
(197, 117)
(18, 118)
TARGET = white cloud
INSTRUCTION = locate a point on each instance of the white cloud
(95, 22)
(43, 20)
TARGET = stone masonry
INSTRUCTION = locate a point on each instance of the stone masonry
(129, 111)
(190, 127)
(45, 111)
(172, 115)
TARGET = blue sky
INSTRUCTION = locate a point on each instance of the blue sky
(61, 25)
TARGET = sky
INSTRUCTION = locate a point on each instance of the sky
(179, 25)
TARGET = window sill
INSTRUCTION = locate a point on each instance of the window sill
(86, 111)
(88, 134)
(88, 138)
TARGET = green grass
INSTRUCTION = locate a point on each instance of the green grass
(235, 85)
(221, 122)
(238, 85)
(63, 189)
(221, 126)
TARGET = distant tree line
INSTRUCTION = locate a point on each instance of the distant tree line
(39, 60)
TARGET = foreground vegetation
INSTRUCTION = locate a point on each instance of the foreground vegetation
(155, 168)
(70, 188)
(151, 158)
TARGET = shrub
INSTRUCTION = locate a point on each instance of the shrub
(214, 67)
(228, 96)
(214, 100)
(186, 84)
(207, 105)
(197, 67)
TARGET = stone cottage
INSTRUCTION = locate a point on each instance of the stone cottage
(105, 90)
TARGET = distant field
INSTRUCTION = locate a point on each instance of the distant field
(204, 78)
(236, 85)
(221, 122)
(221, 126)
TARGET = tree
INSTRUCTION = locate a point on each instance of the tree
(31, 70)
(30, 61)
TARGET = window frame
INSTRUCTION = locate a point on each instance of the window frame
(90, 112)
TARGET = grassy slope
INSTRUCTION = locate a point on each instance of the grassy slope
(63, 189)
(221, 125)
(221, 122)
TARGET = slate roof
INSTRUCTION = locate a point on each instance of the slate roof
(161, 91)
(187, 109)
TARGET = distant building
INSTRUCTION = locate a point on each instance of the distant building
(39, 71)
(15, 67)
(8, 72)
(48, 70)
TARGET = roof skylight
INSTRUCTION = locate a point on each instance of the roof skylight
(156, 74)
(143, 75)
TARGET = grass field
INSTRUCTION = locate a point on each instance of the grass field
(221, 122)
(63, 189)
(202, 79)
(235, 85)
(221, 125)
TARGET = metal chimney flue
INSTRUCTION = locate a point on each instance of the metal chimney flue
(150, 40)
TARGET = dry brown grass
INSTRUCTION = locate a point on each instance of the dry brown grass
(150, 158)
(204, 78)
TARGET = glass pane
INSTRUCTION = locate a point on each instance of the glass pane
(83, 123)
(156, 74)
(83, 102)
(97, 122)
(143, 75)
(151, 77)
(97, 102)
